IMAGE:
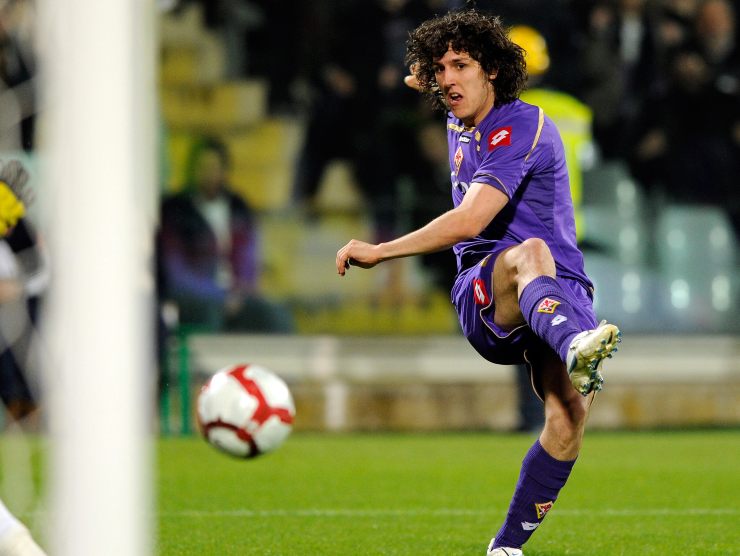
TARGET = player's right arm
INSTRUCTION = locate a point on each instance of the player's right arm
(479, 206)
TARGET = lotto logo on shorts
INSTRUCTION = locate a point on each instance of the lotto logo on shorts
(479, 292)
(500, 137)
(542, 508)
(548, 306)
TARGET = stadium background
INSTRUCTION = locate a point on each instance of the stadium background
(665, 267)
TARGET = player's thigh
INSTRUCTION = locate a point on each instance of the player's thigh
(475, 307)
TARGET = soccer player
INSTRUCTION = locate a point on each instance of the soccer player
(521, 292)
(15, 539)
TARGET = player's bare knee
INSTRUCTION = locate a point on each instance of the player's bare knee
(536, 251)
(534, 259)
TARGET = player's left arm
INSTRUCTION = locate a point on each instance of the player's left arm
(479, 206)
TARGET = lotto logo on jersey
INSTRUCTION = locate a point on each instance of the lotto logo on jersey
(542, 508)
(479, 292)
(500, 137)
(458, 159)
(548, 306)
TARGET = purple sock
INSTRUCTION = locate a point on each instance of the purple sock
(548, 312)
(540, 480)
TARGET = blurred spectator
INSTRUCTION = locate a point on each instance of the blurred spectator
(393, 152)
(23, 280)
(619, 59)
(21, 266)
(233, 20)
(688, 145)
(344, 83)
(359, 87)
(17, 71)
(556, 21)
(282, 62)
(675, 22)
(209, 259)
(716, 40)
(394, 173)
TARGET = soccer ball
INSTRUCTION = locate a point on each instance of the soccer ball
(245, 410)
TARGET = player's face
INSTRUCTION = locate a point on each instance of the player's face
(466, 88)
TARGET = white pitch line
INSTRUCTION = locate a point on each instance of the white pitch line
(346, 512)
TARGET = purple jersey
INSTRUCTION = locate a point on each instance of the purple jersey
(518, 150)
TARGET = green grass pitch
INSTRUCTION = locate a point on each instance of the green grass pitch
(647, 493)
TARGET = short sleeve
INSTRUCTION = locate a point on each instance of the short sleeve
(505, 150)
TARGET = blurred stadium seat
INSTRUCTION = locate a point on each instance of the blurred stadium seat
(693, 235)
(697, 258)
(213, 108)
(263, 162)
(626, 294)
(609, 183)
(614, 213)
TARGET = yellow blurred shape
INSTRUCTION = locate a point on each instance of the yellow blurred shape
(214, 108)
(535, 46)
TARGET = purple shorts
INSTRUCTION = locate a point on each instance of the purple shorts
(472, 296)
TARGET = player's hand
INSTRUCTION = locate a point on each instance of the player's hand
(411, 80)
(13, 195)
(357, 253)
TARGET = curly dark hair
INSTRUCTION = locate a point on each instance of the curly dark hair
(483, 37)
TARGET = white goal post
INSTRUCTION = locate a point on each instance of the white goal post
(97, 150)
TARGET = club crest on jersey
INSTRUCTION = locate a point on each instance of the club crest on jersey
(458, 159)
(548, 306)
(500, 137)
(542, 508)
(479, 292)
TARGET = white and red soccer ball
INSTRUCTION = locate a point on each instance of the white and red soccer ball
(245, 410)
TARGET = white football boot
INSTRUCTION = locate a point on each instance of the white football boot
(503, 551)
(586, 352)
